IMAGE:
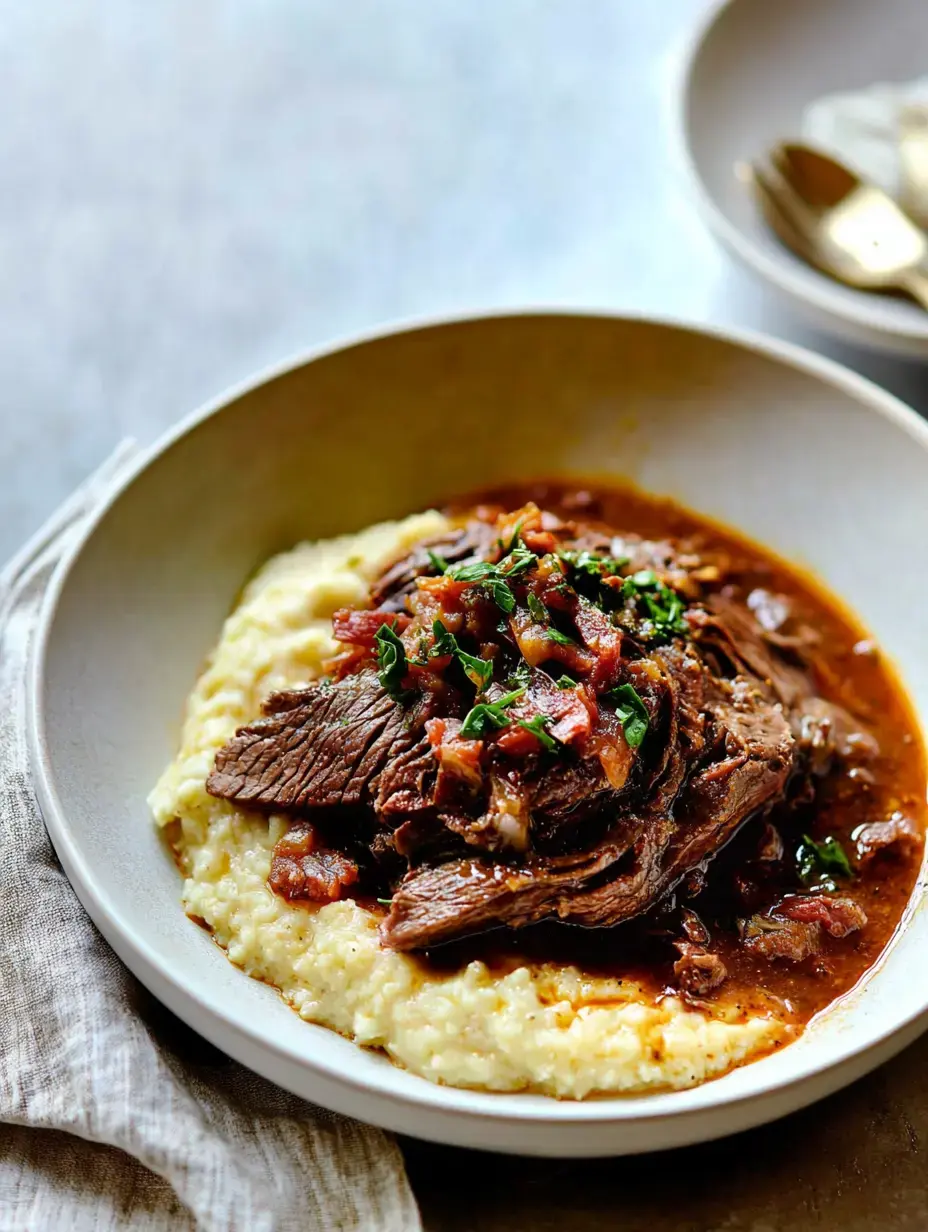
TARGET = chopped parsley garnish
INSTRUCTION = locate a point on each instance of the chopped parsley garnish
(438, 562)
(819, 863)
(566, 682)
(561, 638)
(391, 661)
(664, 606)
(631, 712)
(520, 677)
(537, 608)
(445, 643)
(494, 576)
(517, 560)
(478, 671)
(591, 565)
(537, 727)
(488, 715)
(501, 595)
(476, 571)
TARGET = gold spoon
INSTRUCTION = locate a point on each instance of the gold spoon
(845, 226)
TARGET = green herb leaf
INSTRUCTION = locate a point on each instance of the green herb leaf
(593, 566)
(513, 538)
(566, 682)
(488, 715)
(818, 863)
(502, 596)
(537, 608)
(478, 671)
(664, 606)
(445, 643)
(439, 564)
(644, 578)
(631, 712)
(387, 902)
(391, 661)
(537, 727)
(561, 638)
(495, 576)
(517, 561)
(520, 677)
(476, 571)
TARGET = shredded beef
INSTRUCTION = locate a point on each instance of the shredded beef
(697, 970)
(897, 836)
(507, 779)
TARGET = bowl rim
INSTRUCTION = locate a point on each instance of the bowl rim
(511, 1108)
(813, 292)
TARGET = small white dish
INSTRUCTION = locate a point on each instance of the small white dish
(792, 449)
(751, 70)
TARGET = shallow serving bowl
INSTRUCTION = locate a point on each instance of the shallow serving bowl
(792, 449)
(750, 70)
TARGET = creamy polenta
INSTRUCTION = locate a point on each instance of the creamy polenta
(537, 1027)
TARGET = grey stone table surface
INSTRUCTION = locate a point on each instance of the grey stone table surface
(193, 190)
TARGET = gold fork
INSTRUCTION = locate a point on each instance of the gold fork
(839, 223)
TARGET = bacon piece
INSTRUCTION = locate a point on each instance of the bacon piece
(794, 929)
(302, 869)
(838, 916)
(359, 626)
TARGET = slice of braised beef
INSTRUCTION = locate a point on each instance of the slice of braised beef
(345, 743)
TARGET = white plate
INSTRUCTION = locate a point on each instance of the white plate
(751, 69)
(793, 449)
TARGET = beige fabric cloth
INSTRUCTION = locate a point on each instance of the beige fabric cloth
(113, 1114)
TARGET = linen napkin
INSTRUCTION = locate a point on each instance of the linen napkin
(861, 127)
(113, 1114)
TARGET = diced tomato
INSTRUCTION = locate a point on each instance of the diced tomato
(525, 520)
(445, 589)
(457, 757)
(516, 741)
(539, 541)
(358, 626)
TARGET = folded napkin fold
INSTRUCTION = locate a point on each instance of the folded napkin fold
(861, 128)
(113, 1114)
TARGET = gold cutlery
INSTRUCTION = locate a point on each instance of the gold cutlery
(913, 161)
(838, 222)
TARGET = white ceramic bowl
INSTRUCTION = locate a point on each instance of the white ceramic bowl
(794, 450)
(751, 69)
